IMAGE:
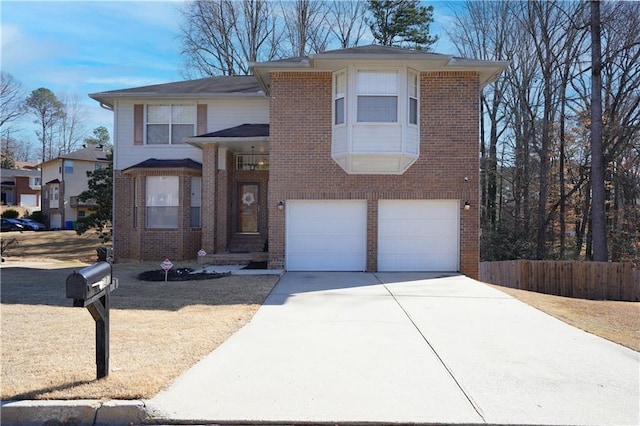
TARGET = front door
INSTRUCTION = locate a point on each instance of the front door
(248, 202)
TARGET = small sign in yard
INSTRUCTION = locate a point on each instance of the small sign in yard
(166, 265)
(201, 255)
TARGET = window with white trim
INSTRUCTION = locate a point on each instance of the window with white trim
(169, 124)
(196, 201)
(412, 89)
(377, 93)
(162, 201)
(339, 92)
(68, 167)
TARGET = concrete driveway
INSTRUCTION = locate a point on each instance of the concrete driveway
(405, 348)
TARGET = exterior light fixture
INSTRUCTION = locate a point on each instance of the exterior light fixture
(252, 163)
(280, 205)
(467, 205)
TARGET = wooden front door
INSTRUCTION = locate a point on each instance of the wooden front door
(248, 202)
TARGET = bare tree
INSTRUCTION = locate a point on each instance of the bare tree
(306, 27)
(71, 127)
(347, 21)
(598, 222)
(11, 99)
(222, 37)
(48, 111)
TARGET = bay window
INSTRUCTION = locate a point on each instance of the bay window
(375, 119)
(162, 201)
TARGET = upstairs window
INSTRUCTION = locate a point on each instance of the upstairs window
(377, 96)
(170, 124)
(339, 91)
(68, 167)
(413, 97)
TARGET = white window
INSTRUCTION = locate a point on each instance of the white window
(162, 201)
(196, 200)
(68, 167)
(170, 124)
(377, 93)
(339, 91)
(413, 97)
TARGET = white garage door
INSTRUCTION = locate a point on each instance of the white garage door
(326, 235)
(418, 235)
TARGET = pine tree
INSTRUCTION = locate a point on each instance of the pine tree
(401, 23)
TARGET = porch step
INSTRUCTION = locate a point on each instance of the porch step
(246, 243)
(235, 258)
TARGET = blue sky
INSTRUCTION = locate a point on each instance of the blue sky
(82, 47)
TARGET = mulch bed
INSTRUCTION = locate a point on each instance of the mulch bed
(179, 274)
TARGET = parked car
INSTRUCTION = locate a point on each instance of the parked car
(32, 225)
(11, 225)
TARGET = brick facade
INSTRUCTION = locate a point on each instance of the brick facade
(302, 167)
(132, 241)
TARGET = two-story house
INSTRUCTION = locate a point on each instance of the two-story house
(65, 178)
(348, 160)
(21, 186)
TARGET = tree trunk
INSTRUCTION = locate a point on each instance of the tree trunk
(598, 222)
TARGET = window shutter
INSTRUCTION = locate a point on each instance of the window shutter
(138, 124)
(202, 119)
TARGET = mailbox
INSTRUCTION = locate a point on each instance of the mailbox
(90, 287)
(89, 283)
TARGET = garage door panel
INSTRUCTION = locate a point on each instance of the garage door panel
(327, 235)
(418, 235)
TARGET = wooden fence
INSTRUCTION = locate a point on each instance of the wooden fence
(584, 280)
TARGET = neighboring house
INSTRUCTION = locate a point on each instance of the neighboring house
(356, 159)
(65, 178)
(21, 186)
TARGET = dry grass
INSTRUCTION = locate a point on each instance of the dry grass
(46, 245)
(158, 330)
(615, 321)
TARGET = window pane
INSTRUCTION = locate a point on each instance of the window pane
(377, 109)
(196, 191)
(377, 83)
(162, 191)
(339, 106)
(195, 217)
(158, 114)
(158, 134)
(181, 131)
(162, 217)
(413, 111)
(341, 84)
(182, 114)
(413, 85)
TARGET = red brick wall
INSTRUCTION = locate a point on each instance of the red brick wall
(301, 166)
(133, 242)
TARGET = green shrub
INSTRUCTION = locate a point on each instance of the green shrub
(10, 214)
(38, 216)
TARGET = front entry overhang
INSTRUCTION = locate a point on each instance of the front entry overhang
(243, 138)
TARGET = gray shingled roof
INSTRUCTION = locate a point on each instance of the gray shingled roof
(242, 131)
(153, 163)
(90, 153)
(244, 85)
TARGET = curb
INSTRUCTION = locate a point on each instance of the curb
(78, 412)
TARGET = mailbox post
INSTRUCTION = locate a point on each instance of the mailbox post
(90, 288)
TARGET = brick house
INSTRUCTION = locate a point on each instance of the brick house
(355, 159)
(65, 178)
(21, 186)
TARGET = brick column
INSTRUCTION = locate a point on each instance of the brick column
(209, 193)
